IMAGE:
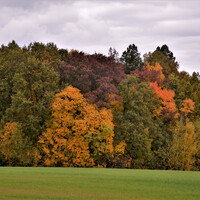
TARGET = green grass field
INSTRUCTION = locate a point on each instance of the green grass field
(79, 183)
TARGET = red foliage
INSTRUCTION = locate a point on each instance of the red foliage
(95, 75)
(151, 74)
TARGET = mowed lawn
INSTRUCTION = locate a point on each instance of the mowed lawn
(80, 183)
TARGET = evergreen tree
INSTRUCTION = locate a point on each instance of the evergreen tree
(131, 59)
(165, 50)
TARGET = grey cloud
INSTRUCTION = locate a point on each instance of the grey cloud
(96, 25)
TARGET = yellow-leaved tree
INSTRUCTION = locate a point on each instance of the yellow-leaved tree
(79, 134)
(16, 148)
(184, 146)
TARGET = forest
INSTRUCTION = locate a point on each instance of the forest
(67, 108)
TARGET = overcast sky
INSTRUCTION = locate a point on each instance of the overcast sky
(95, 25)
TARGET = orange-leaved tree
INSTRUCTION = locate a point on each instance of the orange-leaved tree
(187, 106)
(166, 97)
(156, 68)
(79, 133)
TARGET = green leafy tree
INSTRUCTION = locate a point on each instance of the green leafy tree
(28, 87)
(197, 156)
(185, 87)
(15, 148)
(169, 66)
(63, 54)
(134, 124)
(11, 59)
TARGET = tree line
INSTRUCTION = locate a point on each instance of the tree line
(72, 109)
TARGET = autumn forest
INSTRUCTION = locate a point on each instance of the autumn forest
(62, 108)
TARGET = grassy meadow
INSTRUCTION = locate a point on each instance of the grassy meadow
(85, 183)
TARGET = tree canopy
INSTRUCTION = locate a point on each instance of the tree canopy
(61, 107)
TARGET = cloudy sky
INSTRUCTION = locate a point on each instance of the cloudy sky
(95, 25)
